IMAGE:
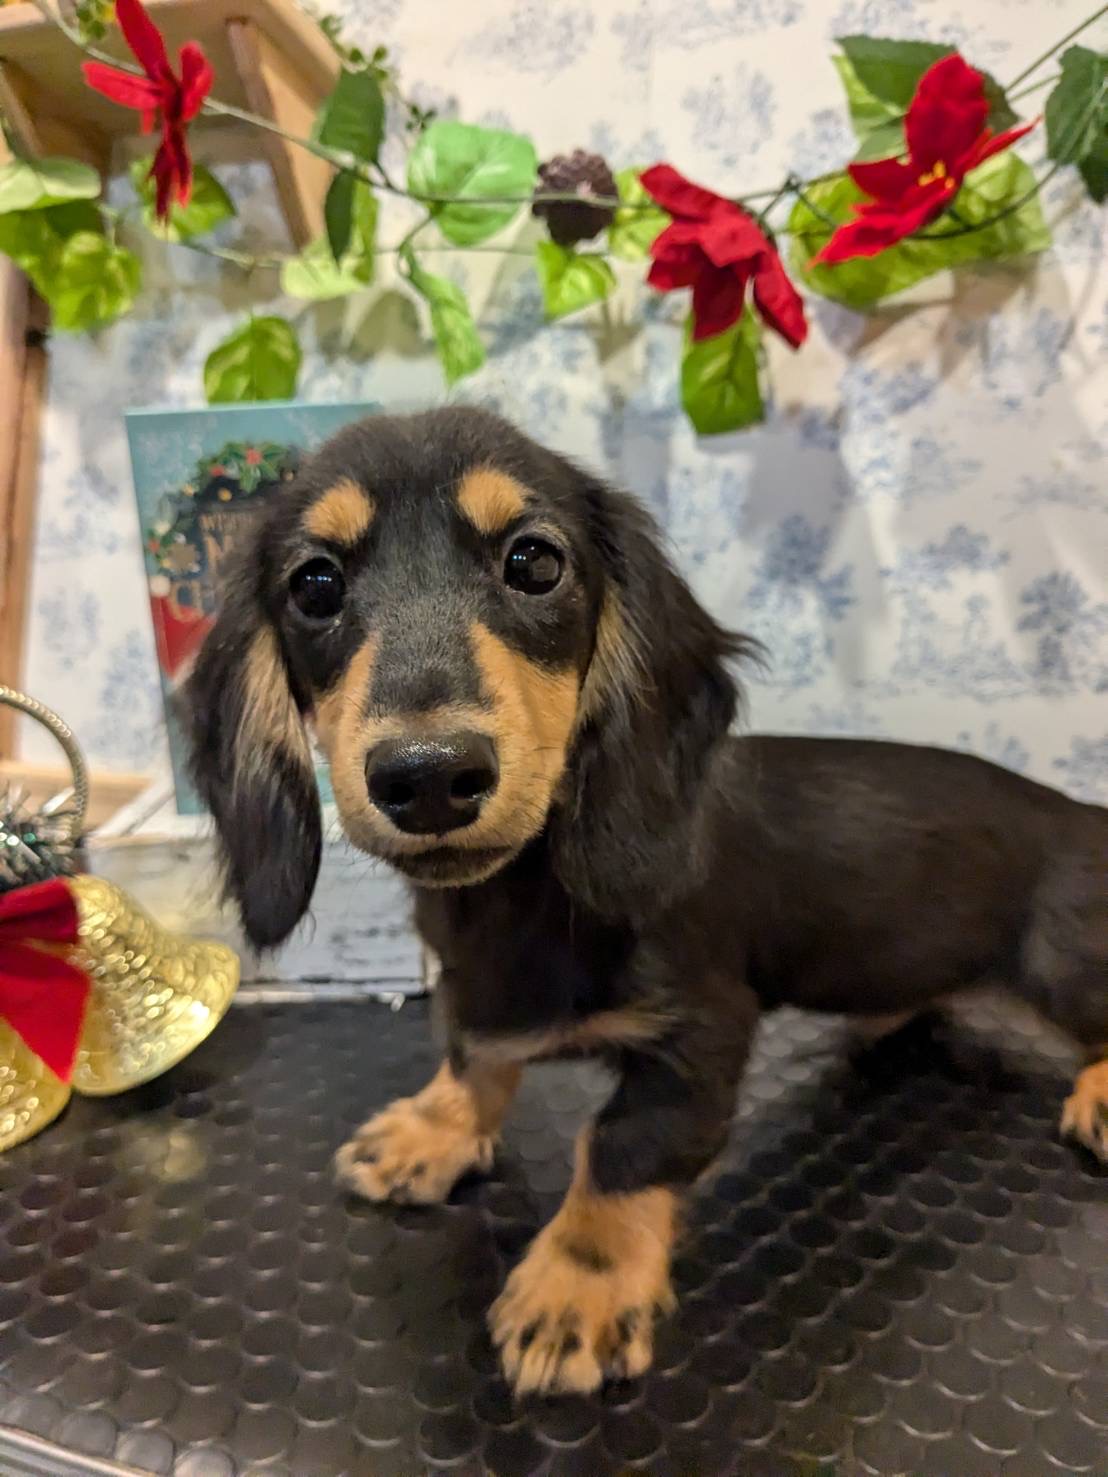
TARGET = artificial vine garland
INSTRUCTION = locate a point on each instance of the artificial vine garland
(933, 185)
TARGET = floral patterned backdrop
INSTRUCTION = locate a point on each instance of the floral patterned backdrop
(920, 531)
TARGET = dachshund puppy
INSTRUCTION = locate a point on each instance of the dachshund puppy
(528, 715)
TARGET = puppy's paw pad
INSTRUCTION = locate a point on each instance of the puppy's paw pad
(1085, 1111)
(566, 1322)
(409, 1157)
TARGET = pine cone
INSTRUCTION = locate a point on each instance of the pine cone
(580, 174)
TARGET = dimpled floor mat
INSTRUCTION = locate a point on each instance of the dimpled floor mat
(898, 1268)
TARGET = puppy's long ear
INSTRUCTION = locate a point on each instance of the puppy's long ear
(656, 701)
(251, 761)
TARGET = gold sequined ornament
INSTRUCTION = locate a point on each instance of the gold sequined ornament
(31, 1096)
(155, 995)
(34, 846)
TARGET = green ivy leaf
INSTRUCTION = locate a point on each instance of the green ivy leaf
(26, 237)
(1093, 169)
(890, 70)
(87, 280)
(867, 112)
(338, 213)
(460, 159)
(34, 238)
(36, 184)
(91, 282)
(1077, 118)
(353, 117)
(209, 204)
(719, 379)
(571, 280)
(1002, 115)
(363, 243)
(460, 348)
(259, 361)
(884, 142)
(638, 221)
(315, 274)
(998, 184)
(880, 78)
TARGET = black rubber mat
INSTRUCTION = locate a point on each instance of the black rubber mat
(899, 1269)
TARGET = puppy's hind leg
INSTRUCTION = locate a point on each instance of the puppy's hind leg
(1065, 977)
(1079, 1005)
(1085, 1113)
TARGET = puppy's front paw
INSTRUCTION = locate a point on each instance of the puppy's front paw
(411, 1154)
(1085, 1112)
(580, 1308)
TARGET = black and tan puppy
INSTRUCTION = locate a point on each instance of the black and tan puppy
(527, 714)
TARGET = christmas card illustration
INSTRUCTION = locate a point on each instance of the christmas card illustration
(200, 477)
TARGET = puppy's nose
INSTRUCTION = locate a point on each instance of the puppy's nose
(430, 786)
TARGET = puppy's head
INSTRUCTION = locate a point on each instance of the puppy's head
(486, 642)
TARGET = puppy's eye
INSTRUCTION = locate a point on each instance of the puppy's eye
(317, 589)
(533, 567)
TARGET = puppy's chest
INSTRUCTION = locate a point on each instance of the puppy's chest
(523, 962)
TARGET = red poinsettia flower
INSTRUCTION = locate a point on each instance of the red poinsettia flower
(947, 137)
(716, 248)
(161, 91)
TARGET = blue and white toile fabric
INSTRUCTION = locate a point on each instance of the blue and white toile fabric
(920, 531)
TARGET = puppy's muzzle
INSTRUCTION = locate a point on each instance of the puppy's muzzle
(430, 786)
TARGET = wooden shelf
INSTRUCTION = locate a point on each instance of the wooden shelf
(51, 65)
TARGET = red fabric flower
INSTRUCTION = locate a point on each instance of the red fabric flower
(161, 91)
(716, 248)
(42, 996)
(947, 137)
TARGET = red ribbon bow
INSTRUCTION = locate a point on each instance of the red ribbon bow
(42, 996)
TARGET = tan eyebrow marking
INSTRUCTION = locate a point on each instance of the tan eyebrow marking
(490, 499)
(342, 515)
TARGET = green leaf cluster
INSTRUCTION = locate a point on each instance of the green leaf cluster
(460, 348)
(317, 274)
(638, 222)
(260, 360)
(471, 165)
(52, 228)
(571, 280)
(352, 120)
(484, 172)
(719, 378)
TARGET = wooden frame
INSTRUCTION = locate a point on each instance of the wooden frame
(269, 57)
(22, 377)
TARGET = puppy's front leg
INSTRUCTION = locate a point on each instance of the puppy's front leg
(580, 1307)
(417, 1148)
